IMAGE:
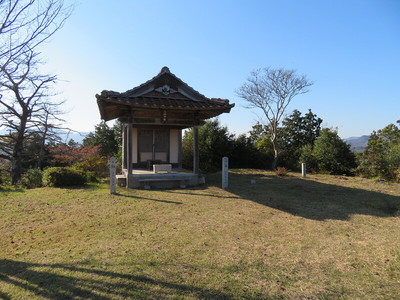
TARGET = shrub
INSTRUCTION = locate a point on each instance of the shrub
(281, 171)
(397, 175)
(32, 178)
(90, 176)
(94, 167)
(59, 176)
(66, 155)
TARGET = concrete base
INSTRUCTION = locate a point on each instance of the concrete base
(165, 181)
(121, 180)
(145, 179)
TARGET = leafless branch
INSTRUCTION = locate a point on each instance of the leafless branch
(25, 107)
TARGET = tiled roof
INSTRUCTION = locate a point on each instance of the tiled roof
(151, 94)
(161, 102)
(164, 72)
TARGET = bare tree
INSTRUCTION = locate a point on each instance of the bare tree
(47, 128)
(272, 90)
(23, 107)
(25, 24)
(25, 93)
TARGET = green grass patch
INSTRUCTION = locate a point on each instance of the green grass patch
(266, 237)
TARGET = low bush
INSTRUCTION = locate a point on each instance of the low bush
(281, 171)
(90, 176)
(94, 167)
(32, 178)
(60, 176)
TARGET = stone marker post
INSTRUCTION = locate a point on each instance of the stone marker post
(113, 177)
(303, 170)
(225, 163)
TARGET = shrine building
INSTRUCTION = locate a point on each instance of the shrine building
(153, 116)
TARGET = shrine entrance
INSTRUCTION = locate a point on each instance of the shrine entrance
(153, 146)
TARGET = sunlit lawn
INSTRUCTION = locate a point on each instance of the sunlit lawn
(322, 237)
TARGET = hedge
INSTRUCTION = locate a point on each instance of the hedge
(59, 176)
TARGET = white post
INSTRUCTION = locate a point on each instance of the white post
(225, 163)
(113, 177)
(303, 170)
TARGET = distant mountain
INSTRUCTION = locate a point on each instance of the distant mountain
(76, 136)
(358, 144)
(65, 136)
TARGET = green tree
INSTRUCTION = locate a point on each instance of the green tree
(262, 148)
(307, 156)
(105, 137)
(332, 154)
(214, 143)
(381, 157)
(118, 128)
(296, 132)
(248, 154)
(260, 137)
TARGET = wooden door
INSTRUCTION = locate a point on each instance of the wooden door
(153, 145)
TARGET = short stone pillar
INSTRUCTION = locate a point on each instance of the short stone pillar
(225, 165)
(303, 170)
(113, 177)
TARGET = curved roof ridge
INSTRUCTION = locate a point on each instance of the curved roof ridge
(165, 70)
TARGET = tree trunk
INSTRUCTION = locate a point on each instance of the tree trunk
(16, 166)
(276, 153)
(41, 150)
(275, 161)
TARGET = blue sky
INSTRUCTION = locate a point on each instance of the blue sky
(349, 49)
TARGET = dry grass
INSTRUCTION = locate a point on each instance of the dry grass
(322, 237)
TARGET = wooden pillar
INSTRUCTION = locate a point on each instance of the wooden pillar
(129, 153)
(196, 149)
(180, 149)
(123, 147)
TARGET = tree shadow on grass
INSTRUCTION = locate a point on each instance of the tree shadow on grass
(201, 194)
(311, 199)
(5, 190)
(68, 281)
(151, 199)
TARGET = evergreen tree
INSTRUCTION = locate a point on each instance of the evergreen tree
(105, 137)
(215, 142)
(332, 154)
(381, 157)
(296, 132)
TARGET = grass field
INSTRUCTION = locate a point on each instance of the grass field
(322, 237)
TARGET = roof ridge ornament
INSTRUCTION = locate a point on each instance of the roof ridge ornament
(165, 69)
